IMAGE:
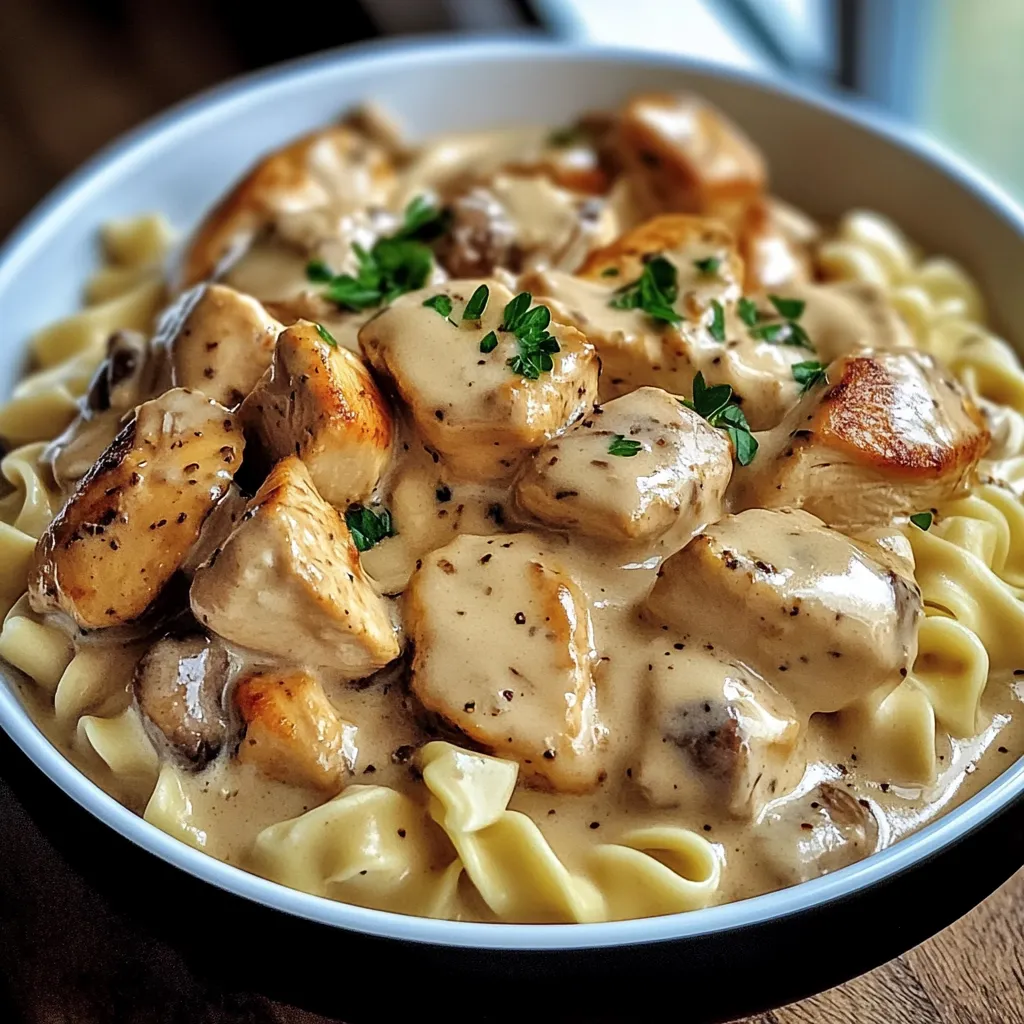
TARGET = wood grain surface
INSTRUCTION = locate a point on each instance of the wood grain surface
(71, 77)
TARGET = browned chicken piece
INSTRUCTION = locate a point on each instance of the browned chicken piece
(220, 343)
(640, 467)
(179, 686)
(685, 156)
(518, 220)
(716, 736)
(293, 733)
(827, 827)
(334, 167)
(528, 692)
(637, 349)
(318, 401)
(287, 582)
(797, 601)
(887, 435)
(127, 376)
(473, 404)
(776, 242)
(137, 513)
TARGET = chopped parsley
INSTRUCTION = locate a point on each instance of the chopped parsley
(391, 267)
(326, 335)
(747, 310)
(717, 327)
(789, 309)
(808, 374)
(708, 266)
(610, 272)
(623, 446)
(570, 135)
(367, 527)
(529, 326)
(763, 326)
(441, 304)
(717, 406)
(489, 342)
(477, 303)
(922, 520)
(653, 291)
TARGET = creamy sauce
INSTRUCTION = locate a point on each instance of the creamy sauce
(536, 575)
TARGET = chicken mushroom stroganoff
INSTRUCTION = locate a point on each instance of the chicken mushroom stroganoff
(533, 525)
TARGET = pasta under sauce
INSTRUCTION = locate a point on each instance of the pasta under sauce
(460, 585)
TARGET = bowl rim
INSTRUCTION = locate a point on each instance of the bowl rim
(254, 87)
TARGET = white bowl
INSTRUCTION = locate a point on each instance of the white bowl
(824, 155)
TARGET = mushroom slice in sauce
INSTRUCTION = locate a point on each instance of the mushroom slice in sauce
(480, 414)
(527, 692)
(137, 513)
(683, 155)
(336, 169)
(287, 582)
(126, 377)
(632, 470)
(292, 731)
(797, 601)
(815, 833)
(319, 402)
(222, 343)
(638, 349)
(179, 686)
(716, 736)
(887, 434)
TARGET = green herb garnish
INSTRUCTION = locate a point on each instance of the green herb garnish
(441, 304)
(623, 447)
(422, 221)
(653, 291)
(367, 527)
(489, 343)
(716, 405)
(477, 303)
(326, 335)
(747, 310)
(709, 265)
(717, 327)
(788, 309)
(808, 374)
(318, 271)
(536, 345)
(610, 272)
(788, 332)
(922, 520)
(570, 135)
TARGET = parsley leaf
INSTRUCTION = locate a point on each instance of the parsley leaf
(610, 272)
(653, 291)
(747, 310)
(489, 343)
(367, 527)
(567, 136)
(326, 335)
(717, 327)
(318, 271)
(716, 405)
(536, 345)
(808, 374)
(422, 221)
(623, 447)
(441, 304)
(788, 309)
(709, 265)
(477, 303)
(922, 520)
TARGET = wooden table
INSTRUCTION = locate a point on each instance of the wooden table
(70, 81)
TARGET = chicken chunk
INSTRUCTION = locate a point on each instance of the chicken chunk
(287, 582)
(293, 733)
(887, 435)
(528, 692)
(521, 220)
(482, 409)
(827, 827)
(699, 258)
(137, 513)
(716, 736)
(319, 402)
(684, 156)
(127, 376)
(637, 468)
(798, 602)
(334, 169)
(220, 343)
(776, 243)
(179, 686)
